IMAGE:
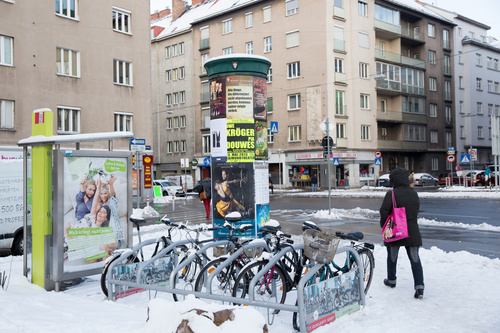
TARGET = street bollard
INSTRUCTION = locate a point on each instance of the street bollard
(173, 202)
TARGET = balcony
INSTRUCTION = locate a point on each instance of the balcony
(341, 111)
(205, 97)
(389, 85)
(338, 12)
(446, 44)
(204, 44)
(447, 70)
(340, 78)
(399, 59)
(389, 116)
(412, 117)
(391, 28)
(412, 34)
(395, 145)
(413, 90)
(339, 45)
(447, 95)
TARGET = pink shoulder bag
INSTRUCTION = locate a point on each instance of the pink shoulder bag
(395, 227)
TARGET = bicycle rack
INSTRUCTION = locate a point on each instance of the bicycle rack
(258, 243)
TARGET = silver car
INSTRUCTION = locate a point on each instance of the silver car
(169, 188)
(423, 179)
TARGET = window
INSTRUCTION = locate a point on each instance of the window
(267, 44)
(227, 50)
(168, 52)
(182, 120)
(497, 87)
(270, 75)
(267, 14)
(294, 133)
(182, 48)
(182, 73)
(175, 50)
(447, 90)
(168, 75)
(479, 83)
(175, 74)
(363, 39)
(462, 131)
(461, 82)
(363, 70)
(448, 114)
(204, 38)
(362, 8)
(446, 39)
(292, 7)
(364, 101)
(169, 99)
(270, 136)
(449, 140)
(413, 104)
(169, 123)
(175, 122)
(175, 98)
(67, 8)
(122, 72)
(249, 47)
(67, 62)
(338, 38)
(434, 136)
(413, 133)
(433, 110)
(68, 120)
(383, 133)
(383, 105)
(432, 84)
(339, 103)
(293, 70)
(460, 57)
(183, 146)
(365, 132)
(431, 30)
(495, 62)
(6, 114)
(6, 50)
(461, 107)
(479, 108)
(472, 35)
(123, 122)
(121, 20)
(480, 132)
(432, 57)
(248, 20)
(227, 26)
(412, 81)
(206, 143)
(292, 39)
(479, 59)
(386, 15)
(490, 109)
(446, 63)
(341, 133)
(170, 147)
(459, 31)
(294, 102)
(204, 59)
(182, 96)
(270, 105)
(490, 86)
(435, 163)
(339, 65)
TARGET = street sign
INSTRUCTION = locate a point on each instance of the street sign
(194, 162)
(322, 126)
(451, 150)
(473, 154)
(465, 158)
(206, 161)
(138, 144)
(378, 154)
(458, 168)
(274, 127)
(336, 161)
(378, 161)
(450, 158)
(148, 147)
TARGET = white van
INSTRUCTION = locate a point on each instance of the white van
(11, 205)
(179, 180)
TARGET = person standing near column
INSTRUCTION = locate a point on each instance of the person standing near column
(314, 182)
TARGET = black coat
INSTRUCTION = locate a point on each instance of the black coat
(405, 197)
(204, 184)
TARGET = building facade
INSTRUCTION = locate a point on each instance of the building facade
(90, 67)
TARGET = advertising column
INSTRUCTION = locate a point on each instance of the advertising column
(238, 139)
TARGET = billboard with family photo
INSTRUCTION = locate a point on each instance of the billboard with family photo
(93, 208)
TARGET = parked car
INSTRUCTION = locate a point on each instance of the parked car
(185, 181)
(442, 178)
(480, 181)
(384, 181)
(423, 179)
(169, 188)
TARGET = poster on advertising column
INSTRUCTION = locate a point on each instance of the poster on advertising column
(218, 139)
(239, 97)
(240, 140)
(218, 98)
(95, 209)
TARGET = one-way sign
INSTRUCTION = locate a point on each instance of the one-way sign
(135, 141)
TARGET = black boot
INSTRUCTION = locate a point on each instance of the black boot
(389, 284)
(419, 294)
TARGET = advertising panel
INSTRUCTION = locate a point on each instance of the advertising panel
(218, 98)
(261, 140)
(240, 140)
(218, 138)
(239, 97)
(94, 209)
(259, 98)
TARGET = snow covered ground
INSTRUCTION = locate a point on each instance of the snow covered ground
(461, 295)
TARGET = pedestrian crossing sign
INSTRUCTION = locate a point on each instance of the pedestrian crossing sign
(465, 158)
(274, 127)
(336, 161)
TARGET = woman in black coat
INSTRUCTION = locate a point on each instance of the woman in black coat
(408, 198)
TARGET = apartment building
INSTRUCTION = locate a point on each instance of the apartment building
(345, 61)
(477, 86)
(89, 65)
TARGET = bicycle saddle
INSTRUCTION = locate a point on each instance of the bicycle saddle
(233, 217)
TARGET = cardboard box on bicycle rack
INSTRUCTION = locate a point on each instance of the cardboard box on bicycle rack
(319, 246)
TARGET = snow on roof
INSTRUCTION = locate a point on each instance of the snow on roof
(413, 5)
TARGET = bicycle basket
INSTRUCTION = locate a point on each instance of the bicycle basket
(320, 246)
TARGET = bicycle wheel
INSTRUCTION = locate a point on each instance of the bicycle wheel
(271, 287)
(186, 278)
(368, 262)
(223, 283)
(104, 287)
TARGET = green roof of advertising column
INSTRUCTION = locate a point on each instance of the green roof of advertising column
(246, 64)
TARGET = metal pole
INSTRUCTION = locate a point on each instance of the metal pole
(137, 174)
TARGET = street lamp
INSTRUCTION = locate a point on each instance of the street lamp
(279, 150)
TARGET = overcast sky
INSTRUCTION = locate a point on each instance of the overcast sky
(484, 11)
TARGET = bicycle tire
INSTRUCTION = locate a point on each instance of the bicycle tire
(264, 288)
(104, 287)
(368, 262)
(221, 284)
(189, 275)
